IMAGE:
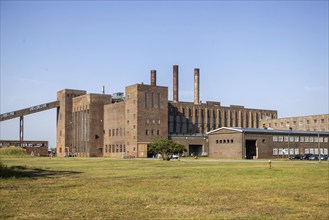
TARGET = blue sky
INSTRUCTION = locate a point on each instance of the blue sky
(260, 54)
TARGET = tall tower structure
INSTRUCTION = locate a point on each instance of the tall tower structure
(64, 125)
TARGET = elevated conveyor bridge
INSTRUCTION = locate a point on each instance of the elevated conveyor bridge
(26, 111)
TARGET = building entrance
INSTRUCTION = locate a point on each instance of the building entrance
(195, 150)
(250, 149)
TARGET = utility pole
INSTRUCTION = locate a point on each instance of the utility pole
(319, 146)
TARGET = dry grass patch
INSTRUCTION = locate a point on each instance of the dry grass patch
(99, 188)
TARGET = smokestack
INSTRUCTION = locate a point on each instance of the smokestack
(175, 82)
(153, 77)
(103, 89)
(196, 86)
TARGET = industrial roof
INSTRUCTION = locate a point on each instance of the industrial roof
(270, 131)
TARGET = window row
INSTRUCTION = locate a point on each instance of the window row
(227, 141)
(146, 100)
(152, 132)
(295, 151)
(117, 132)
(115, 148)
(152, 121)
(306, 139)
(301, 122)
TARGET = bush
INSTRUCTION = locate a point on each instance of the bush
(12, 151)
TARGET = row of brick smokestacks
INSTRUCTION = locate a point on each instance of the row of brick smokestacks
(175, 84)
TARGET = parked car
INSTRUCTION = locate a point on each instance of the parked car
(307, 156)
(314, 157)
(296, 157)
(324, 157)
(173, 156)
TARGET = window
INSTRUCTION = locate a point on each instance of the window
(307, 139)
(153, 121)
(296, 138)
(280, 138)
(281, 124)
(152, 132)
(285, 138)
(231, 140)
(301, 139)
(311, 139)
(294, 122)
(315, 121)
(145, 99)
(158, 132)
(322, 121)
(325, 139)
(275, 151)
(147, 121)
(152, 99)
(275, 138)
(308, 122)
(321, 139)
(158, 121)
(109, 132)
(220, 141)
(159, 100)
(291, 139)
(301, 123)
(146, 132)
(216, 141)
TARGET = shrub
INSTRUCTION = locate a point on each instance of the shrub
(12, 151)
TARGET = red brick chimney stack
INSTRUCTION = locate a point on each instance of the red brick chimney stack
(175, 82)
(153, 77)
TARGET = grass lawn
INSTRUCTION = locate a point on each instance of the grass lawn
(101, 188)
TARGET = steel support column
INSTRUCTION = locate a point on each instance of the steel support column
(21, 130)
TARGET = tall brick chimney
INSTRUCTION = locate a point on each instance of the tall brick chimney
(175, 82)
(153, 77)
(196, 86)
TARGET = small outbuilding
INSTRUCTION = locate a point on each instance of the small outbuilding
(254, 143)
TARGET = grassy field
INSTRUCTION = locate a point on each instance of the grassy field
(100, 188)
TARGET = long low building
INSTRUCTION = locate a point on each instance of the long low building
(34, 148)
(254, 143)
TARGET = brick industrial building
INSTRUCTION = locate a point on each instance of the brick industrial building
(305, 123)
(115, 126)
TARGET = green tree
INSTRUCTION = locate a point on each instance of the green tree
(164, 147)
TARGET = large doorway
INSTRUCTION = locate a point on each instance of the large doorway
(195, 150)
(250, 149)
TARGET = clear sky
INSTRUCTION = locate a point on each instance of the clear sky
(260, 54)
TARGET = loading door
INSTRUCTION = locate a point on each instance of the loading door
(195, 150)
(250, 149)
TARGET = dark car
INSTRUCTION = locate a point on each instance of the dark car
(307, 156)
(314, 157)
(324, 157)
(296, 157)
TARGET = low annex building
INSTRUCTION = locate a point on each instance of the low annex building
(254, 143)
